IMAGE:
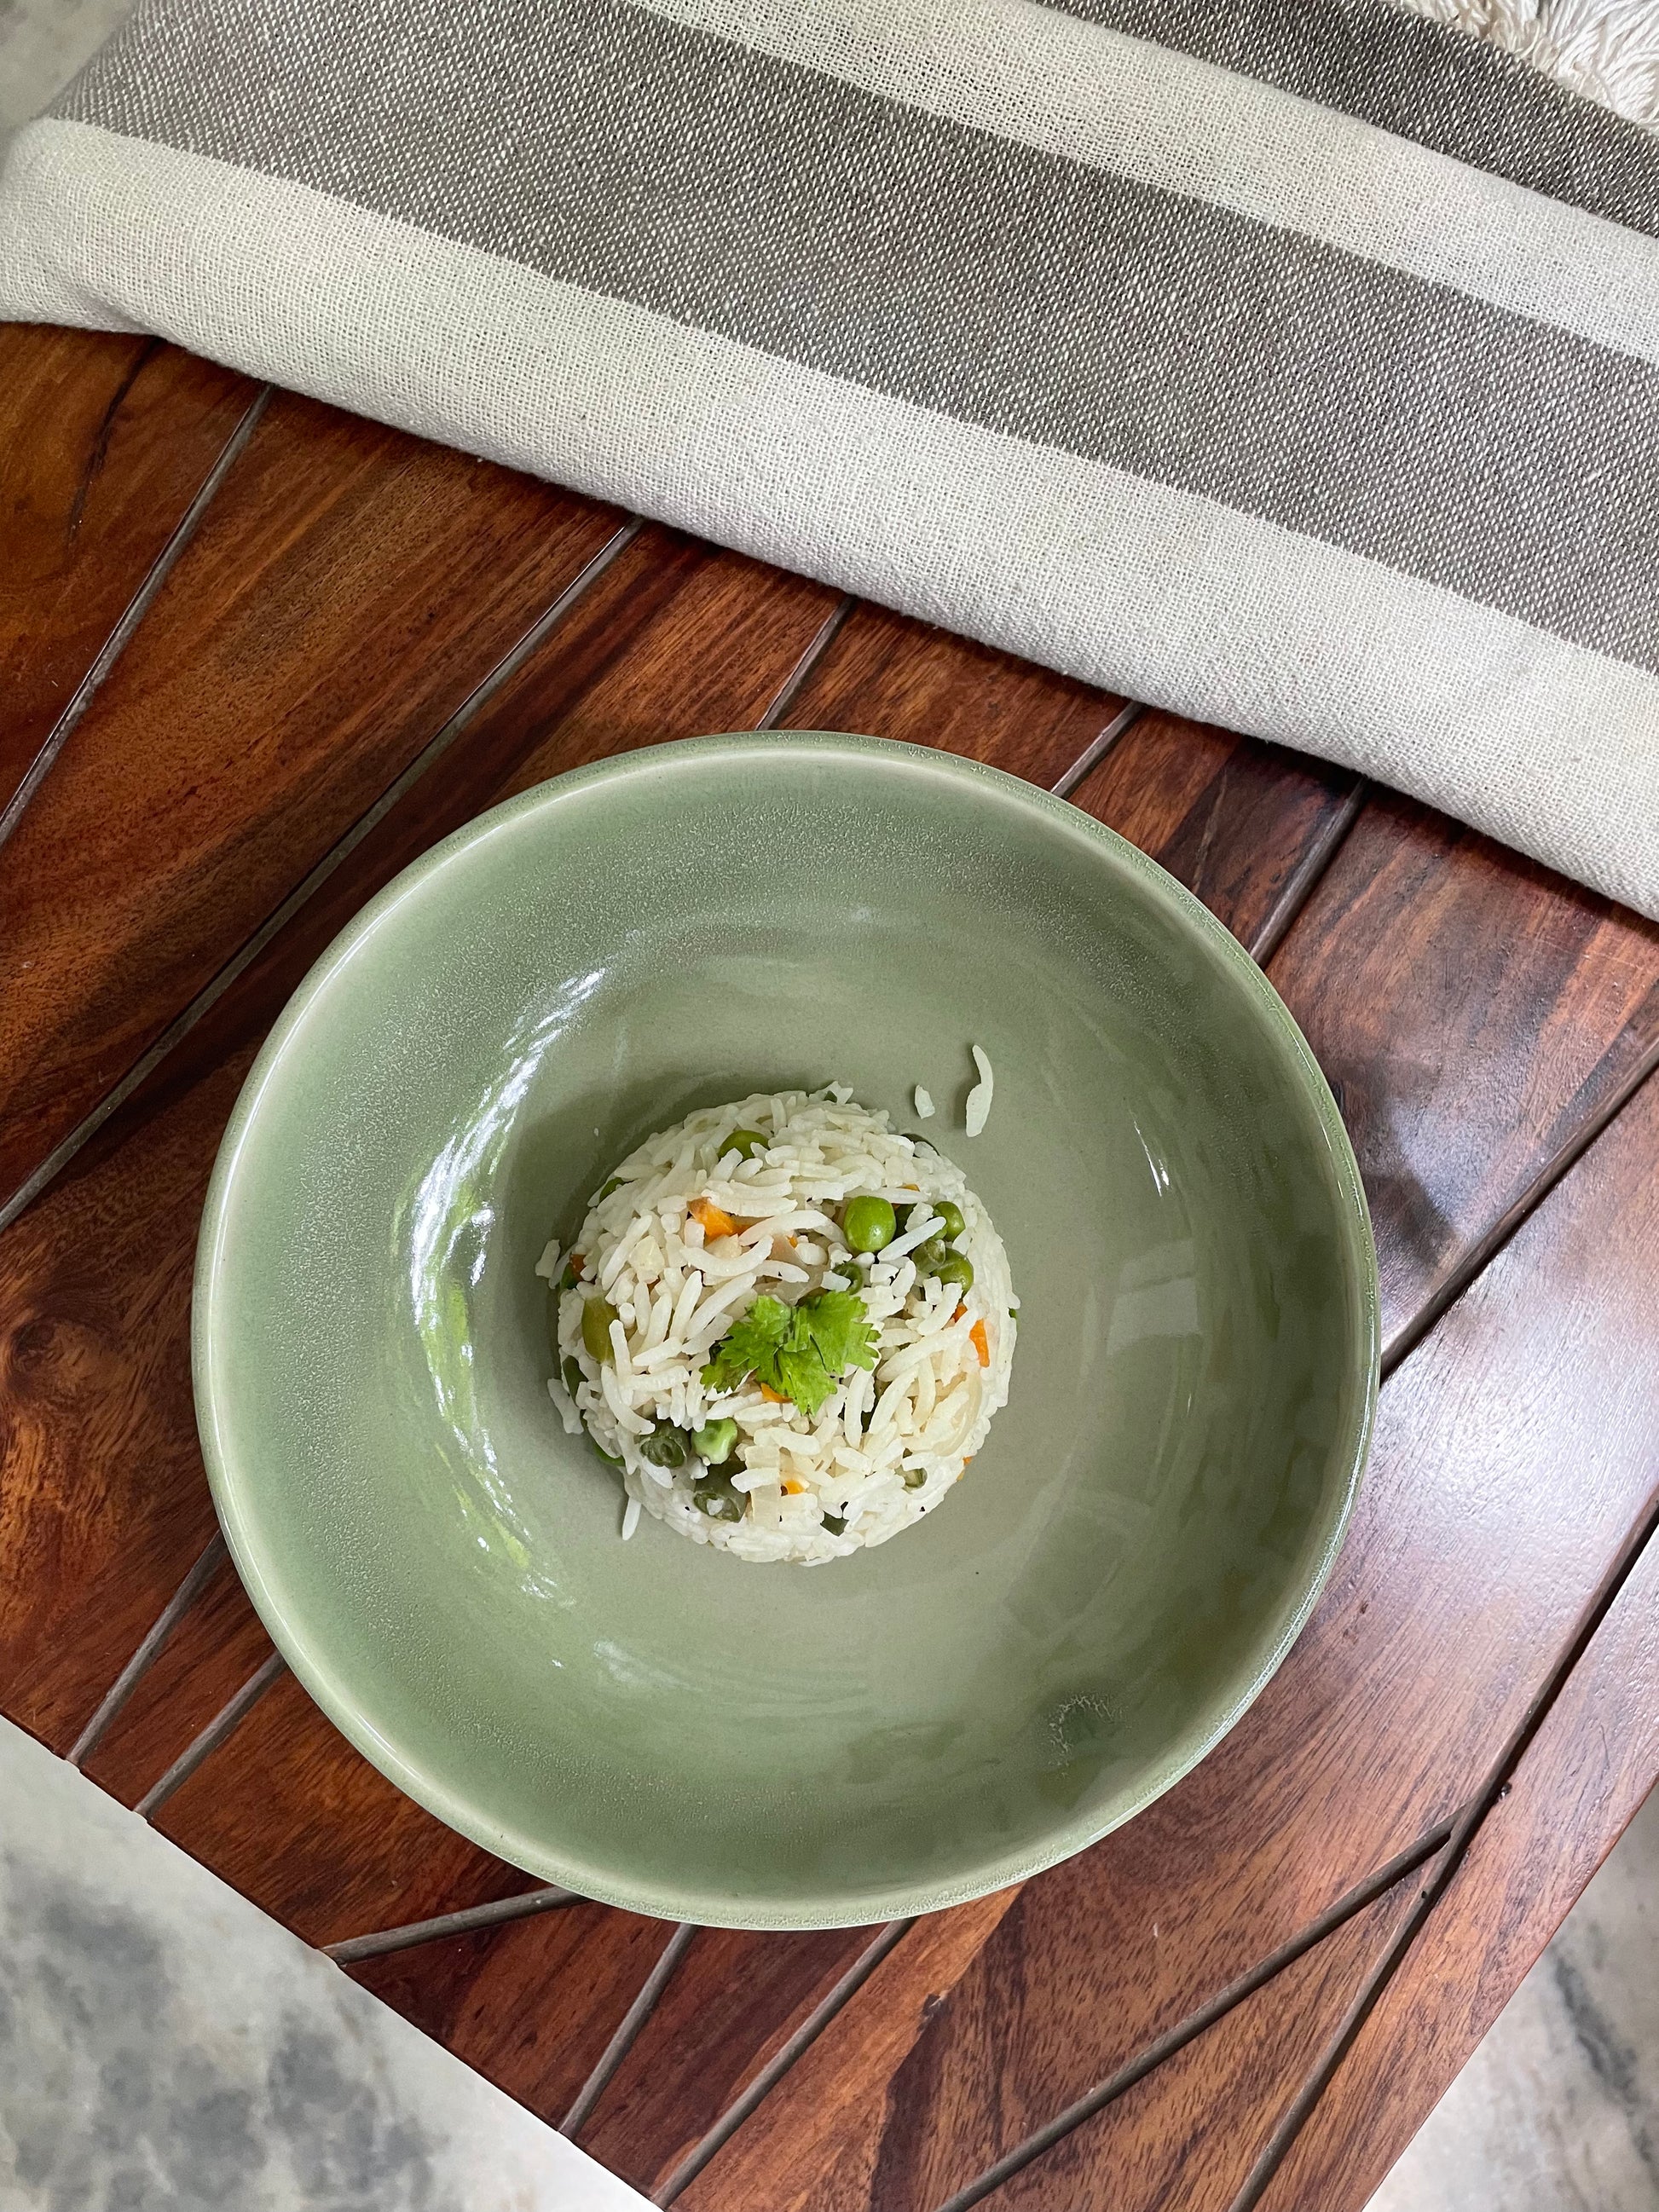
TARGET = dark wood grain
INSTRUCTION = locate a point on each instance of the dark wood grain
(1475, 1011)
(1514, 1450)
(1592, 1764)
(806, 2145)
(1233, 818)
(104, 442)
(886, 675)
(346, 588)
(216, 1648)
(103, 1505)
(531, 2005)
(1168, 2145)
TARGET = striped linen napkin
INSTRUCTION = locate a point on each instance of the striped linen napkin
(1292, 364)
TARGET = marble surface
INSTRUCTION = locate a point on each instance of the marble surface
(1558, 2109)
(42, 44)
(164, 2047)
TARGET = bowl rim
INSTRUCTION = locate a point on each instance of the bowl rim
(330, 1688)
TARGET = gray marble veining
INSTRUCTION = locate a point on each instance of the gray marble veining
(164, 2047)
(42, 44)
(1557, 2110)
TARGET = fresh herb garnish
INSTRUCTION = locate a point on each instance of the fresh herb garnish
(800, 1353)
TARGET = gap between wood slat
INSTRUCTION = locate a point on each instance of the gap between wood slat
(752, 2099)
(430, 753)
(1097, 748)
(632, 2021)
(116, 643)
(790, 689)
(150, 1649)
(1479, 1255)
(1306, 877)
(229, 1716)
(466, 1922)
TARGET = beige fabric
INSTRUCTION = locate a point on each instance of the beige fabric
(1019, 545)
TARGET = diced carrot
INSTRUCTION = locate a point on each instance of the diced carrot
(959, 1312)
(716, 1221)
(794, 1489)
(977, 1339)
(772, 1397)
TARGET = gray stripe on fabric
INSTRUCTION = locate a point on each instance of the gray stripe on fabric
(995, 282)
(1422, 80)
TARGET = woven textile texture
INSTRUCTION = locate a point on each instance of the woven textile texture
(1292, 364)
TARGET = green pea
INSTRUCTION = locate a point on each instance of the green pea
(930, 1255)
(868, 1224)
(951, 1214)
(914, 1477)
(957, 1267)
(745, 1143)
(570, 1373)
(847, 1263)
(665, 1446)
(598, 1314)
(834, 1524)
(610, 1458)
(717, 1496)
(715, 1440)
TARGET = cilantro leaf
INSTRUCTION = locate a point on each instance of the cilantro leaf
(802, 1375)
(839, 1329)
(750, 1347)
(801, 1354)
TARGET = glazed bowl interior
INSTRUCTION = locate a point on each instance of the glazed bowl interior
(655, 1723)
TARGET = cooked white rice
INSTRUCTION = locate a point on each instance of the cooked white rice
(922, 1412)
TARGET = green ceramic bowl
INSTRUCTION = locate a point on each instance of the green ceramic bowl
(1133, 1550)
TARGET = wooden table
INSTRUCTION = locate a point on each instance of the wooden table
(259, 655)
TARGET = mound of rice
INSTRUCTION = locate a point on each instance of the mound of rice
(891, 1443)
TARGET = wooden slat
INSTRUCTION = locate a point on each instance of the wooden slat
(104, 442)
(888, 677)
(1475, 1009)
(807, 2144)
(531, 2005)
(346, 589)
(103, 1505)
(1514, 1450)
(216, 1647)
(1588, 1771)
(1160, 2148)
(1235, 820)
